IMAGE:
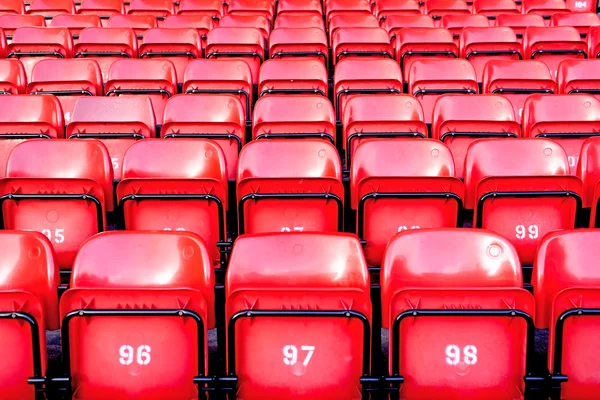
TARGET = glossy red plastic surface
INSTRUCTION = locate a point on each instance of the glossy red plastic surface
(58, 167)
(423, 40)
(299, 20)
(201, 23)
(103, 8)
(564, 278)
(578, 76)
(300, 166)
(482, 116)
(312, 271)
(139, 22)
(76, 22)
(284, 42)
(142, 270)
(351, 20)
(456, 269)
(264, 8)
(403, 166)
(385, 9)
(247, 21)
(157, 8)
(562, 114)
(293, 74)
(10, 22)
(249, 41)
(438, 8)
(545, 8)
(372, 42)
(212, 8)
(578, 20)
(51, 8)
(12, 7)
(519, 22)
(593, 39)
(394, 23)
(28, 285)
(588, 169)
(493, 8)
(311, 7)
(456, 22)
(12, 77)
(337, 7)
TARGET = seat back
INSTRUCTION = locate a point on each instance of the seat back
(51, 8)
(300, 7)
(493, 8)
(156, 8)
(103, 8)
(519, 22)
(12, 7)
(351, 20)
(59, 188)
(578, 20)
(293, 76)
(579, 76)
(386, 9)
(545, 8)
(395, 23)
(247, 21)
(263, 8)
(348, 43)
(455, 23)
(465, 303)
(9, 23)
(139, 22)
(420, 191)
(213, 8)
(158, 283)
(588, 169)
(298, 190)
(299, 43)
(320, 274)
(201, 23)
(438, 8)
(521, 189)
(299, 20)
(338, 7)
(12, 77)
(75, 23)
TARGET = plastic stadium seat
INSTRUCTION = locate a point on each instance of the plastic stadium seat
(322, 275)
(551, 45)
(32, 44)
(265, 8)
(300, 189)
(12, 77)
(289, 76)
(208, 121)
(519, 22)
(27, 117)
(59, 188)
(426, 83)
(176, 185)
(438, 8)
(456, 22)
(155, 78)
(521, 189)
(297, 20)
(394, 23)
(201, 23)
(545, 8)
(577, 6)
(312, 7)
(421, 191)
(50, 8)
(579, 76)
(242, 43)
(103, 8)
(150, 300)
(117, 121)
(178, 45)
(76, 22)
(567, 120)
(588, 169)
(66, 79)
(337, 7)
(385, 115)
(593, 39)
(566, 295)
(106, 45)
(349, 43)
(493, 8)
(351, 20)
(213, 8)
(157, 8)
(385, 9)
(459, 120)
(423, 43)
(140, 23)
(248, 21)
(579, 21)
(516, 80)
(480, 45)
(364, 77)
(221, 76)
(12, 7)
(299, 42)
(11, 22)
(457, 293)
(28, 294)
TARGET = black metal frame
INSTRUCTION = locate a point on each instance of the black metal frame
(236, 54)
(292, 91)
(362, 54)
(289, 196)
(304, 135)
(574, 135)
(85, 54)
(565, 51)
(339, 94)
(138, 91)
(230, 136)
(106, 136)
(25, 136)
(478, 135)
(18, 54)
(151, 54)
(494, 53)
(358, 135)
(521, 91)
(231, 361)
(423, 92)
(63, 196)
(79, 92)
(226, 91)
(425, 54)
(281, 54)
(588, 91)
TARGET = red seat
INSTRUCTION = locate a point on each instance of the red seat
(117, 121)
(338, 7)
(103, 8)
(299, 42)
(68, 80)
(264, 8)
(493, 8)
(521, 189)
(248, 21)
(455, 23)
(364, 77)
(178, 45)
(426, 83)
(106, 45)
(12, 77)
(423, 43)
(76, 23)
(566, 295)
(27, 117)
(12, 7)
(51, 8)
(580, 21)
(139, 22)
(176, 185)
(289, 76)
(201, 23)
(519, 22)
(311, 7)
(347, 43)
(29, 304)
(588, 169)
(551, 45)
(516, 80)
(59, 188)
(242, 43)
(150, 300)
(209, 121)
(213, 8)
(9, 23)
(438, 8)
(567, 120)
(300, 189)
(385, 9)
(351, 20)
(298, 20)
(459, 120)
(32, 44)
(576, 6)
(421, 191)
(545, 8)
(457, 293)
(394, 23)
(155, 78)
(225, 76)
(156, 8)
(324, 275)
(480, 45)
(385, 115)
(593, 39)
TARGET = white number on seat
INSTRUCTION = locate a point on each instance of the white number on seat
(294, 228)
(142, 355)
(453, 354)
(572, 161)
(531, 231)
(581, 4)
(115, 162)
(290, 354)
(405, 228)
(56, 236)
